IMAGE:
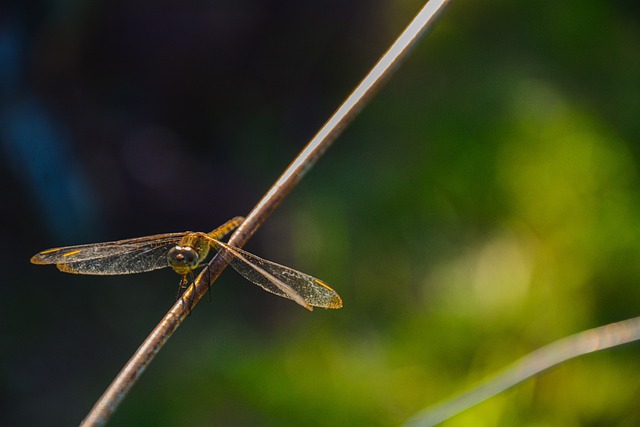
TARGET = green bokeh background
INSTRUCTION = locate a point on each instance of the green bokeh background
(486, 203)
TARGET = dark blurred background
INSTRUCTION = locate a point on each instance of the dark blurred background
(486, 203)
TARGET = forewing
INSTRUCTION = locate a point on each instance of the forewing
(119, 257)
(281, 280)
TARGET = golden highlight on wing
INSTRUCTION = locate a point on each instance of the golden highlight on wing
(184, 252)
(120, 257)
(283, 281)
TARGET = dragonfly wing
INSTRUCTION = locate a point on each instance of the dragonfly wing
(281, 280)
(120, 257)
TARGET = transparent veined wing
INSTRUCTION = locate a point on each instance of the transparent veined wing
(120, 257)
(280, 280)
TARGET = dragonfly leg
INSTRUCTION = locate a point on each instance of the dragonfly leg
(208, 283)
(181, 286)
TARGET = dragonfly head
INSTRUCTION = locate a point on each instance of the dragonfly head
(183, 259)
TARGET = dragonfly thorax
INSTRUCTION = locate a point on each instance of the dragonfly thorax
(183, 259)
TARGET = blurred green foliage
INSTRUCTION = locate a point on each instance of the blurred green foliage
(486, 203)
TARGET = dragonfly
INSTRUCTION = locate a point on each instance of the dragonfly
(184, 252)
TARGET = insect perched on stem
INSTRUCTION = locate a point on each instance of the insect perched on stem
(184, 252)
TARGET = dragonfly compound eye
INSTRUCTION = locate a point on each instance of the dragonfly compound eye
(182, 259)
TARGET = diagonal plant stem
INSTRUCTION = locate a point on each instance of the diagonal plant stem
(589, 341)
(115, 393)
